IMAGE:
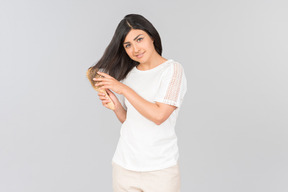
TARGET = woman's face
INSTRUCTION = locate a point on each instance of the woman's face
(139, 46)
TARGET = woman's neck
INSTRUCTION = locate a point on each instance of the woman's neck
(152, 63)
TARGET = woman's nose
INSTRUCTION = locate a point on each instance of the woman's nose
(135, 48)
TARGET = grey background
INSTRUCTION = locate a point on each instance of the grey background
(55, 135)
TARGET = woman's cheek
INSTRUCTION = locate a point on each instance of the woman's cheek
(131, 55)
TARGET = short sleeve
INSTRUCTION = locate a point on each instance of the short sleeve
(173, 86)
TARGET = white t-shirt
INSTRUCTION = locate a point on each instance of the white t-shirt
(143, 145)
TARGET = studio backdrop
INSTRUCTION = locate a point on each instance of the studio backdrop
(55, 135)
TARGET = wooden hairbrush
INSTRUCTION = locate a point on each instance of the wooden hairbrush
(92, 73)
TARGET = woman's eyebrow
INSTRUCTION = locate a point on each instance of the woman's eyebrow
(133, 39)
(136, 37)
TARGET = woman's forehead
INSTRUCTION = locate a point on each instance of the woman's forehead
(133, 33)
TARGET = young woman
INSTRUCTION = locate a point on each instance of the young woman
(151, 89)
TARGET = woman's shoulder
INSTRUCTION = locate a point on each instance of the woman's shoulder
(172, 65)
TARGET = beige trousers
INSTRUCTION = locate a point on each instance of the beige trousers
(165, 180)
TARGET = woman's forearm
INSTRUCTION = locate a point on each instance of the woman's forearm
(148, 109)
(120, 112)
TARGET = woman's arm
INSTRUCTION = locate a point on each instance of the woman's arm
(156, 112)
(119, 110)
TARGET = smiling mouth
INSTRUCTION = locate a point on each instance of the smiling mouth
(140, 55)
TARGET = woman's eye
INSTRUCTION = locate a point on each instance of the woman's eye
(127, 45)
(140, 39)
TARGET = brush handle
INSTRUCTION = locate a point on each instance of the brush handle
(110, 104)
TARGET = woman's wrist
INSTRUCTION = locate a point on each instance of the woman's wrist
(124, 90)
(118, 107)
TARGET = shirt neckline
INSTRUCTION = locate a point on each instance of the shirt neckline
(149, 70)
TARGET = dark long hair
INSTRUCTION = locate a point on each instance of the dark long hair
(115, 60)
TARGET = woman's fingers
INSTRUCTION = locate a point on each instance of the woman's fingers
(103, 97)
(101, 84)
(98, 79)
(101, 94)
(105, 102)
(111, 95)
(107, 98)
(105, 105)
(109, 83)
(105, 77)
(109, 92)
(104, 74)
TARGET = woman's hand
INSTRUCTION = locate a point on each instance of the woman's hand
(109, 82)
(119, 110)
(105, 100)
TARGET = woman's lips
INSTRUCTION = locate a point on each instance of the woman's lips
(139, 55)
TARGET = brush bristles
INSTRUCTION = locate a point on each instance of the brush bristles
(92, 73)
